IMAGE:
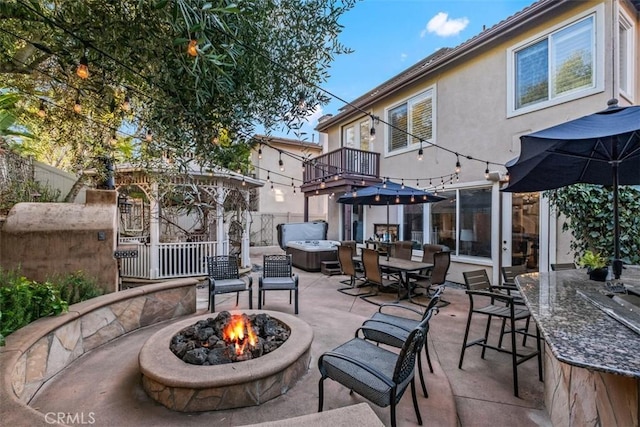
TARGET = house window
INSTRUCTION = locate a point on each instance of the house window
(357, 135)
(410, 122)
(463, 222)
(626, 51)
(563, 64)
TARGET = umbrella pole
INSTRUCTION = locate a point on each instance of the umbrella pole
(617, 262)
(388, 232)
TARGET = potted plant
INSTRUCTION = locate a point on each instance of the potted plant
(596, 265)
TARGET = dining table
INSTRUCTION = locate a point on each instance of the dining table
(403, 267)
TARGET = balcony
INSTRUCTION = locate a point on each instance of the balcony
(340, 171)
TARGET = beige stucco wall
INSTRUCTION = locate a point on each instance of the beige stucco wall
(45, 239)
(471, 117)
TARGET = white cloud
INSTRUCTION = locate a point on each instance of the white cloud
(403, 57)
(443, 26)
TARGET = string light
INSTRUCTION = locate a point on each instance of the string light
(377, 198)
(268, 177)
(281, 163)
(384, 184)
(486, 172)
(243, 182)
(507, 177)
(420, 151)
(372, 131)
(260, 152)
(458, 166)
(322, 184)
(192, 49)
(83, 68)
(354, 193)
(77, 107)
(272, 186)
(126, 105)
(397, 198)
(402, 185)
(42, 112)
(413, 199)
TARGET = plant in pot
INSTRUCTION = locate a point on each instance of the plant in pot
(596, 265)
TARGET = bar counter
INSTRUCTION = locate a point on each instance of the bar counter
(592, 361)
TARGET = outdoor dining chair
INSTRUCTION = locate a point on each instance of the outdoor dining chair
(402, 249)
(373, 275)
(277, 275)
(499, 305)
(375, 373)
(349, 268)
(436, 277)
(224, 278)
(387, 326)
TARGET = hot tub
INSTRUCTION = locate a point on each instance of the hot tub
(309, 254)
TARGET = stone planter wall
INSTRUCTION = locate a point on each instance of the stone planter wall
(40, 350)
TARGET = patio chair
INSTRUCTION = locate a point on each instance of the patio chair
(502, 306)
(563, 266)
(349, 268)
(225, 278)
(402, 249)
(393, 329)
(373, 275)
(377, 374)
(428, 249)
(277, 275)
(437, 276)
(510, 273)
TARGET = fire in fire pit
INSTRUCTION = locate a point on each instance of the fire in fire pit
(229, 338)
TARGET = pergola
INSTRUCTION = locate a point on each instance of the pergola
(173, 221)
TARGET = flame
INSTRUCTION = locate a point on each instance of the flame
(239, 333)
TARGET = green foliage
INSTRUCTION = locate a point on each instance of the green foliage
(22, 301)
(16, 191)
(589, 213)
(592, 260)
(76, 287)
(258, 65)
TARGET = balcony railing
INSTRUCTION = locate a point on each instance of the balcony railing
(345, 163)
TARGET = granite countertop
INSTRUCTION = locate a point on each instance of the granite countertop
(577, 332)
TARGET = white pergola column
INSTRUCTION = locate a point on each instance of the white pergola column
(154, 232)
(220, 234)
(246, 259)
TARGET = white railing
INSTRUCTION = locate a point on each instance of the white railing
(186, 259)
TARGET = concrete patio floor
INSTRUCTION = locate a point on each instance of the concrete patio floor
(106, 382)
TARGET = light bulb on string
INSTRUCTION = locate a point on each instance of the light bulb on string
(192, 49)
(413, 199)
(506, 176)
(322, 183)
(272, 186)
(402, 185)
(317, 192)
(354, 193)
(268, 176)
(377, 197)
(384, 184)
(77, 107)
(83, 68)
(458, 166)
(420, 151)
(397, 198)
(281, 163)
(126, 104)
(244, 183)
(486, 172)
(42, 111)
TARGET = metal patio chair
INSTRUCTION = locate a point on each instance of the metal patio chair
(277, 275)
(224, 278)
(377, 374)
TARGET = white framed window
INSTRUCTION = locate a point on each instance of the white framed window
(357, 135)
(626, 52)
(410, 122)
(562, 64)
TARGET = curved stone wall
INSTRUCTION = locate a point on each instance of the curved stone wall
(40, 350)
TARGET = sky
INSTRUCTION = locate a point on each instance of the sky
(389, 36)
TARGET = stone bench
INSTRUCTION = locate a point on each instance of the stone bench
(40, 350)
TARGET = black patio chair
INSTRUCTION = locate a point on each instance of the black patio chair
(225, 278)
(377, 374)
(393, 329)
(277, 275)
(500, 305)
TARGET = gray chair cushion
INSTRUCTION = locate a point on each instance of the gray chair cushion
(229, 285)
(278, 283)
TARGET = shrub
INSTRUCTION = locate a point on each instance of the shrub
(76, 287)
(22, 301)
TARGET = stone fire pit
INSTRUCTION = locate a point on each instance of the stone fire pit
(191, 388)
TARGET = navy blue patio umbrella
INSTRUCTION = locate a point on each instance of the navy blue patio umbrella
(601, 148)
(389, 193)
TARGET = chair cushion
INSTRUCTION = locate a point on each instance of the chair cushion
(277, 283)
(229, 285)
(407, 324)
(503, 311)
(367, 385)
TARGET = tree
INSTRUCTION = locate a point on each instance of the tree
(255, 63)
(589, 213)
